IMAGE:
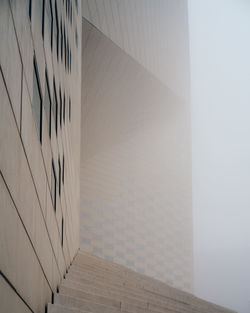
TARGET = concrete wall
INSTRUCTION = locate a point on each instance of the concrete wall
(37, 240)
(135, 165)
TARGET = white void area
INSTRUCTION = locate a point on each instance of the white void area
(220, 67)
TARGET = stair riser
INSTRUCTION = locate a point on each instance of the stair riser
(53, 308)
(84, 259)
(141, 294)
(83, 305)
(85, 263)
(120, 274)
(164, 290)
(110, 279)
(90, 297)
(106, 272)
(154, 304)
(106, 292)
(95, 285)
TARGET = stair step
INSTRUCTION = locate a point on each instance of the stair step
(102, 265)
(76, 292)
(84, 305)
(110, 278)
(153, 287)
(87, 260)
(95, 285)
(141, 294)
(78, 283)
(95, 260)
(55, 308)
(126, 304)
(87, 295)
(122, 273)
(120, 295)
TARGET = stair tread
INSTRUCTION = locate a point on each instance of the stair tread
(86, 295)
(81, 304)
(150, 285)
(95, 285)
(123, 287)
(84, 305)
(76, 290)
(121, 295)
(56, 308)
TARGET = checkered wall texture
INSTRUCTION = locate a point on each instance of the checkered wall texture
(136, 206)
(133, 218)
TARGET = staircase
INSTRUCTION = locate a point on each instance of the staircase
(95, 285)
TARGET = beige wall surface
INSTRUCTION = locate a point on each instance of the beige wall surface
(135, 165)
(38, 240)
(153, 32)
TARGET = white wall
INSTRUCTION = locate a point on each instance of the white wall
(220, 67)
(135, 165)
(153, 32)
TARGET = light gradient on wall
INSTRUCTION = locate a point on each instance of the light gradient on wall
(135, 165)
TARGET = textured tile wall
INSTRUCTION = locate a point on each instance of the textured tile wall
(135, 167)
(33, 258)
